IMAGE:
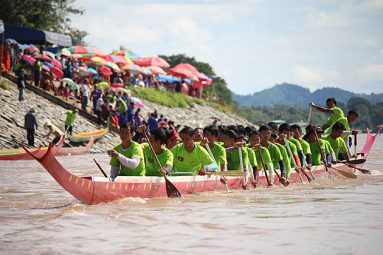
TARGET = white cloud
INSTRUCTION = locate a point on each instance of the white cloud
(327, 20)
(314, 77)
(371, 73)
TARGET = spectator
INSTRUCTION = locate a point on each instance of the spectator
(37, 68)
(21, 83)
(29, 124)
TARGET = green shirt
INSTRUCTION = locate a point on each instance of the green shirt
(233, 162)
(190, 162)
(219, 154)
(286, 158)
(266, 158)
(134, 149)
(275, 153)
(151, 165)
(344, 121)
(251, 155)
(337, 113)
(70, 117)
(337, 144)
(294, 151)
(296, 143)
(305, 146)
(315, 152)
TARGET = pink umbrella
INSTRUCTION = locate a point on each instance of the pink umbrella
(151, 61)
(56, 63)
(185, 71)
(57, 72)
(156, 70)
(104, 70)
(45, 68)
(29, 59)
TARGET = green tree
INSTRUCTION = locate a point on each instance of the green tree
(363, 107)
(49, 15)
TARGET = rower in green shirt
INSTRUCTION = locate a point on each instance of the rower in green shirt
(336, 141)
(157, 139)
(211, 133)
(232, 151)
(285, 155)
(127, 158)
(191, 157)
(336, 112)
(315, 152)
(307, 159)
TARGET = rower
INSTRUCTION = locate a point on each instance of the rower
(295, 146)
(336, 141)
(310, 137)
(297, 134)
(191, 157)
(233, 145)
(286, 158)
(336, 112)
(127, 158)
(255, 144)
(198, 134)
(211, 133)
(157, 139)
(274, 151)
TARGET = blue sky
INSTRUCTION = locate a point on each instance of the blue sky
(252, 44)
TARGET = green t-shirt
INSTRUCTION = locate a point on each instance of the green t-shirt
(134, 149)
(286, 158)
(190, 162)
(70, 117)
(305, 146)
(275, 153)
(251, 155)
(344, 121)
(296, 143)
(233, 162)
(337, 113)
(219, 154)
(315, 152)
(266, 158)
(336, 144)
(294, 151)
(151, 165)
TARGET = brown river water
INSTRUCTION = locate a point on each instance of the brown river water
(328, 216)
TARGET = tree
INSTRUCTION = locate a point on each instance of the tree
(363, 107)
(50, 15)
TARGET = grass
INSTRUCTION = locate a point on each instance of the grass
(4, 85)
(167, 98)
(222, 107)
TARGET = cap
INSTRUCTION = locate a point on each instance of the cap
(31, 110)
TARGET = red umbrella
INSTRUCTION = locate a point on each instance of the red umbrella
(151, 61)
(104, 70)
(156, 70)
(57, 72)
(29, 59)
(185, 71)
(56, 63)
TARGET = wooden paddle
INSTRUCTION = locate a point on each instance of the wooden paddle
(99, 167)
(171, 190)
(355, 144)
(365, 171)
(264, 166)
(352, 161)
(223, 179)
(345, 173)
(295, 164)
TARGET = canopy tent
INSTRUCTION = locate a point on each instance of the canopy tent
(36, 36)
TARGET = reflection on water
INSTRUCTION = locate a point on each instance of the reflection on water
(340, 216)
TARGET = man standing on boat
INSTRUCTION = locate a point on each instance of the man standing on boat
(157, 139)
(29, 124)
(69, 121)
(191, 157)
(127, 158)
(336, 112)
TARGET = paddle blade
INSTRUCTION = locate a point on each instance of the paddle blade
(171, 190)
(346, 174)
(354, 161)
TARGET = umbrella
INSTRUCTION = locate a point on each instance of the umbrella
(104, 70)
(82, 69)
(47, 64)
(126, 53)
(185, 71)
(32, 49)
(10, 41)
(146, 71)
(132, 68)
(42, 57)
(119, 60)
(117, 85)
(49, 54)
(57, 72)
(45, 68)
(114, 66)
(151, 61)
(98, 61)
(56, 63)
(92, 71)
(29, 59)
(65, 52)
(137, 102)
(156, 70)
(103, 85)
(68, 81)
(85, 50)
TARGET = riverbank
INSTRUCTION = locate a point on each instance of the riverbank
(12, 118)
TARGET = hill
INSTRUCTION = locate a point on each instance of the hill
(295, 95)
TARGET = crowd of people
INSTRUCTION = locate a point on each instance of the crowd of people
(224, 148)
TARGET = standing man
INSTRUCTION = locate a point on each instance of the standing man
(21, 82)
(29, 124)
(336, 112)
(70, 117)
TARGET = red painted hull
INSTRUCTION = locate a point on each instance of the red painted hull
(72, 151)
(93, 190)
(39, 152)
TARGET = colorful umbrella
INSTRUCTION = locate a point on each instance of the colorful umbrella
(105, 71)
(65, 52)
(42, 57)
(57, 72)
(113, 66)
(82, 69)
(68, 81)
(137, 102)
(126, 53)
(119, 60)
(132, 68)
(92, 71)
(103, 85)
(98, 61)
(146, 71)
(85, 50)
(49, 54)
(156, 70)
(56, 64)
(151, 61)
(29, 59)
(185, 71)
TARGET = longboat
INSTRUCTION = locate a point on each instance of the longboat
(72, 151)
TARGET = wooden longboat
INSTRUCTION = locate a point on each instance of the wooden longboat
(20, 154)
(71, 151)
(86, 136)
(93, 190)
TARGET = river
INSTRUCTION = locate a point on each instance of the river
(340, 216)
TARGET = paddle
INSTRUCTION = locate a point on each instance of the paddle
(365, 171)
(295, 164)
(227, 173)
(309, 119)
(342, 172)
(352, 161)
(99, 167)
(264, 166)
(223, 179)
(171, 190)
(242, 168)
(355, 144)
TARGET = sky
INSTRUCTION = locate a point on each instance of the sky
(252, 44)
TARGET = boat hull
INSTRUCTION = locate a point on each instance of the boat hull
(72, 151)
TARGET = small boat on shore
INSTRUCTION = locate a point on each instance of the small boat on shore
(21, 154)
(71, 151)
(93, 190)
(86, 136)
